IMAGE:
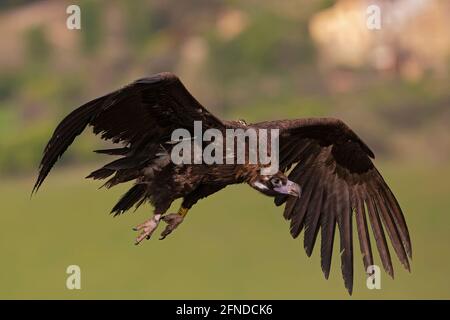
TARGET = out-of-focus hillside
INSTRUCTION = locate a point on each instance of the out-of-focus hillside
(242, 59)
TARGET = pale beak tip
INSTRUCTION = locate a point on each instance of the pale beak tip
(295, 190)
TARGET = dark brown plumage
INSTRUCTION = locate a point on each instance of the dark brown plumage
(330, 163)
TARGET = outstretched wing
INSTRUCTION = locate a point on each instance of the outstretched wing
(334, 168)
(141, 114)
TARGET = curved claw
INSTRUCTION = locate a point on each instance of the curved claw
(173, 220)
(148, 227)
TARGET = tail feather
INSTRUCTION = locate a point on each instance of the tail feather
(135, 194)
(66, 132)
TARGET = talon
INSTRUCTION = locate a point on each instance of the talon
(148, 227)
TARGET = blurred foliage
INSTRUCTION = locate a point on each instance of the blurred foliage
(9, 82)
(267, 68)
(6, 4)
(38, 48)
(263, 47)
(91, 21)
(140, 22)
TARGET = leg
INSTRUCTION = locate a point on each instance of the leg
(173, 220)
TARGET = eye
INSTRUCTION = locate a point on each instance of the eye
(276, 182)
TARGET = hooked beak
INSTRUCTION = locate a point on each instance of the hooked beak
(291, 188)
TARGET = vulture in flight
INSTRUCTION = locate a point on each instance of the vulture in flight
(326, 175)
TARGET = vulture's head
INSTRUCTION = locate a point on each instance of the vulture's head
(274, 185)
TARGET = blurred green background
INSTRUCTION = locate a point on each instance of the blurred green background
(248, 59)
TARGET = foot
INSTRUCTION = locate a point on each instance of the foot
(148, 227)
(173, 220)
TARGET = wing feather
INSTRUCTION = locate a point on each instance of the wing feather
(328, 227)
(313, 217)
(380, 238)
(344, 220)
(308, 181)
(396, 211)
(333, 167)
(363, 232)
(141, 115)
(391, 229)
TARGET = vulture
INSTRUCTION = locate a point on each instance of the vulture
(325, 177)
